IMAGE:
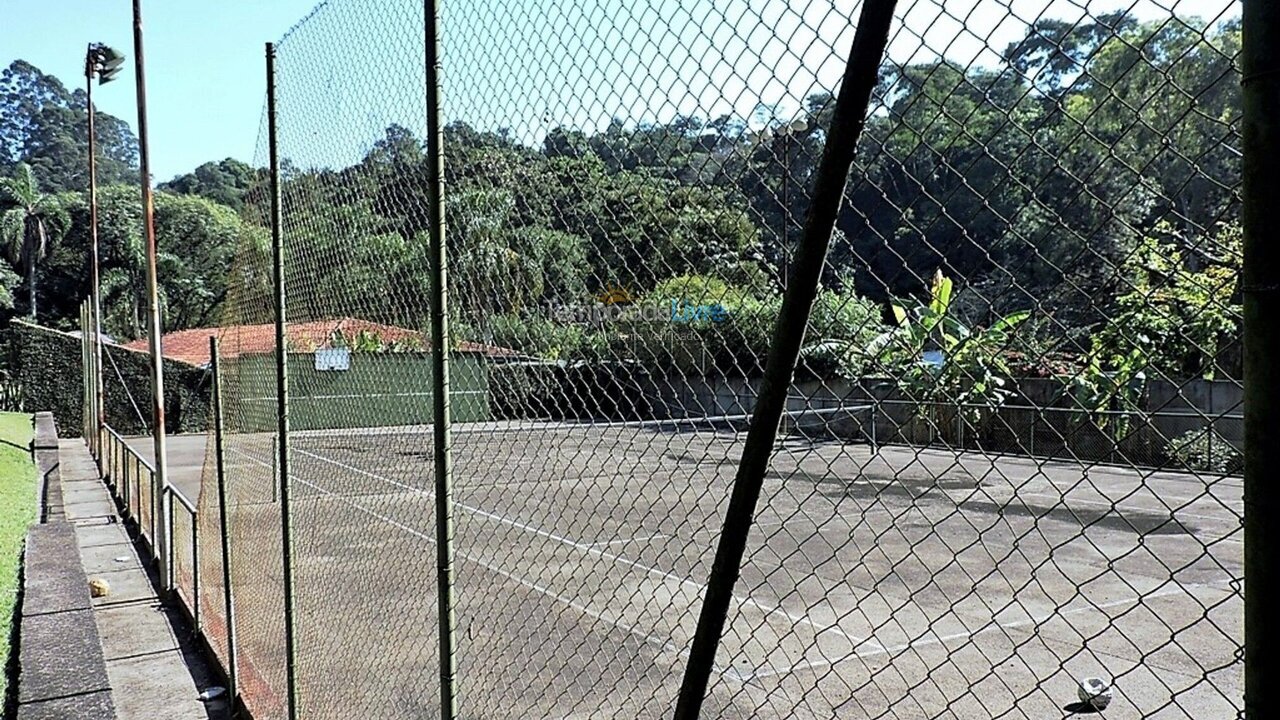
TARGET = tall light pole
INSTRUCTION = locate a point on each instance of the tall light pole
(103, 63)
(153, 307)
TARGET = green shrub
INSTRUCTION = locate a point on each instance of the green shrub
(537, 336)
(524, 390)
(46, 364)
(1205, 450)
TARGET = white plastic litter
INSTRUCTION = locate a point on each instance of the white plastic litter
(212, 693)
(1095, 692)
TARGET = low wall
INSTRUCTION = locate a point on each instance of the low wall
(379, 390)
(1038, 419)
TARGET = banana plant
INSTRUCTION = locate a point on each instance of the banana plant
(939, 359)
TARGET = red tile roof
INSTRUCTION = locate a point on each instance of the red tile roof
(192, 346)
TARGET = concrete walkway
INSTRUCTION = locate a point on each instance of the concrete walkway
(153, 666)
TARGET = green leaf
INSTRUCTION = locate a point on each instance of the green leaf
(1010, 321)
(899, 315)
(941, 294)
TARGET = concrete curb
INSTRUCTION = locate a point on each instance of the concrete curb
(49, 483)
(63, 672)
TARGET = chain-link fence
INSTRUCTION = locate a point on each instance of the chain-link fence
(1010, 450)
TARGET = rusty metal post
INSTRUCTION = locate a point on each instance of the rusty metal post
(161, 463)
(99, 405)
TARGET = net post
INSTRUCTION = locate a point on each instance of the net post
(860, 76)
(223, 525)
(1260, 70)
(282, 389)
(440, 420)
(875, 409)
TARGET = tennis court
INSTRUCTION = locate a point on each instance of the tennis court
(935, 582)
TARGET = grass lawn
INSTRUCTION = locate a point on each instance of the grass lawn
(17, 511)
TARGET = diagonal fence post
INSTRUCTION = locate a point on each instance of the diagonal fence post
(1260, 68)
(860, 76)
(282, 389)
(440, 420)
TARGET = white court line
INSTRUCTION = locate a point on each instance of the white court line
(623, 541)
(665, 645)
(617, 559)
(968, 634)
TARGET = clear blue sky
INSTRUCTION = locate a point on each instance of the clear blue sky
(205, 81)
(527, 65)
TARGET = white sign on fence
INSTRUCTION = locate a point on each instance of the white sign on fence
(338, 358)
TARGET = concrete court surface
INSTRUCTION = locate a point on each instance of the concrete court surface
(899, 583)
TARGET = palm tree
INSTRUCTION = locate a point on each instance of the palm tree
(28, 222)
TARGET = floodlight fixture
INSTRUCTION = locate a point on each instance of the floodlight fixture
(103, 62)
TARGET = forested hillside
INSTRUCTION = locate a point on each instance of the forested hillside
(1094, 166)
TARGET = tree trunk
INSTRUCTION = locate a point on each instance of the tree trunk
(31, 289)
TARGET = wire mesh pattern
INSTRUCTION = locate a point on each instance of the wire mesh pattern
(1011, 453)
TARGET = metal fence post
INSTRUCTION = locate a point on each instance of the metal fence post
(125, 491)
(195, 570)
(860, 76)
(440, 421)
(156, 522)
(1260, 68)
(88, 364)
(223, 524)
(275, 469)
(137, 492)
(160, 463)
(84, 373)
(95, 429)
(282, 387)
(168, 524)
(95, 294)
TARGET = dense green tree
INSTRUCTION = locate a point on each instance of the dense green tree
(198, 241)
(43, 125)
(226, 182)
